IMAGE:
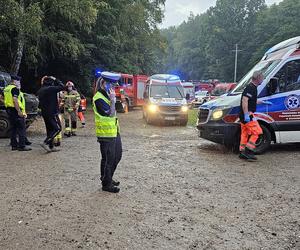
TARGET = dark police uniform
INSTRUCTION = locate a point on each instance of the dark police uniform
(18, 127)
(110, 147)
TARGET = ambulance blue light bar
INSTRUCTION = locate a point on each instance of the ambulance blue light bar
(165, 77)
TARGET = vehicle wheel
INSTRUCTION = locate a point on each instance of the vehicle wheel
(4, 125)
(264, 141)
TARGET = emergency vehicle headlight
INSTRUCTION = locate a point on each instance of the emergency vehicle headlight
(217, 114)
(184, 108)
(152, 108)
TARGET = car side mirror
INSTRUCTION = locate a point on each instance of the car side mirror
(188, 96)
(272, 86)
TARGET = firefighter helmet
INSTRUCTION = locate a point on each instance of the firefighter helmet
(69, 84)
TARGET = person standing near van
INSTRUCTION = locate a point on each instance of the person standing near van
(250, 128)
(107, 130)
(14, 102)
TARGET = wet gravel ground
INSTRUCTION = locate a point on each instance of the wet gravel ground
(177, 192)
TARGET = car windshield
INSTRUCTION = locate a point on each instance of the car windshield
(166, 91)
(201, 93)
(264, 66)
(219, 91)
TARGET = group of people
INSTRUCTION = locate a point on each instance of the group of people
(66, 103)
(57, 100)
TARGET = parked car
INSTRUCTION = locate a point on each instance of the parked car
(200, 98)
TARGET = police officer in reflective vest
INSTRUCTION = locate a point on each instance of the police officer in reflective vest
(107, 130)
(14, 102)
(250, 128)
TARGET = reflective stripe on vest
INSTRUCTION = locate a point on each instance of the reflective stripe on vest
(106, 127)
(21, 100)
(9, 100)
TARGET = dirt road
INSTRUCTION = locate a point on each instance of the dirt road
(177, 192)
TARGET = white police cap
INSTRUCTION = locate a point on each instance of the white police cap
(110, 77)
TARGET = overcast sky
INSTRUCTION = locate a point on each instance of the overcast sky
(178, 10)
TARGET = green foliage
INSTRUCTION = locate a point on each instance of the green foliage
(193, 116)
(69, 38)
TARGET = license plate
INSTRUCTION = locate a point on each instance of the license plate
(170, 118)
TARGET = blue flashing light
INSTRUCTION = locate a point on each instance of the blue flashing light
(97, 72)
(166, 77)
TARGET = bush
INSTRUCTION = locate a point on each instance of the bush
(193, 113)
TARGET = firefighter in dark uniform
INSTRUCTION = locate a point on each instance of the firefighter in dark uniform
(14, 102)
(250, 128)
(107, 130)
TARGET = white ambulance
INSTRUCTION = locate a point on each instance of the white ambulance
(218, 120)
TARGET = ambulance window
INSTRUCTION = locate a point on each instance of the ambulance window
(289, 77)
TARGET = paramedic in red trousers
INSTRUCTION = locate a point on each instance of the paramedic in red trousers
(107, 130)
(48, 104)
(250, 128)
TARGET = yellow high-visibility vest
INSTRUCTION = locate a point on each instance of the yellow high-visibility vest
(106, 127)
(9, 100)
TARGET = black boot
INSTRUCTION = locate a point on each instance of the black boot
(115, 183)
(24, 149)
(28, 143)
(251, 154)
(111, 189)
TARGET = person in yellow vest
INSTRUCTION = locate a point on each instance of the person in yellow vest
(14, 102)
(70, 102)
(107, 130)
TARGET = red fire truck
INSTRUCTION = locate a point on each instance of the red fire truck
(129, 92)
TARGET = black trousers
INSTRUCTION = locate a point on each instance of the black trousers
(53, 128)
(111, 152)
(18, 129)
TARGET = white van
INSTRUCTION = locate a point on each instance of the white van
(165, 100)
(218, 120)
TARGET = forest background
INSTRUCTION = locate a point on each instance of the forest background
(71, 38)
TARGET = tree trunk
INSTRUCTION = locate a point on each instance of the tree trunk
(15, 67)
(18, 58)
